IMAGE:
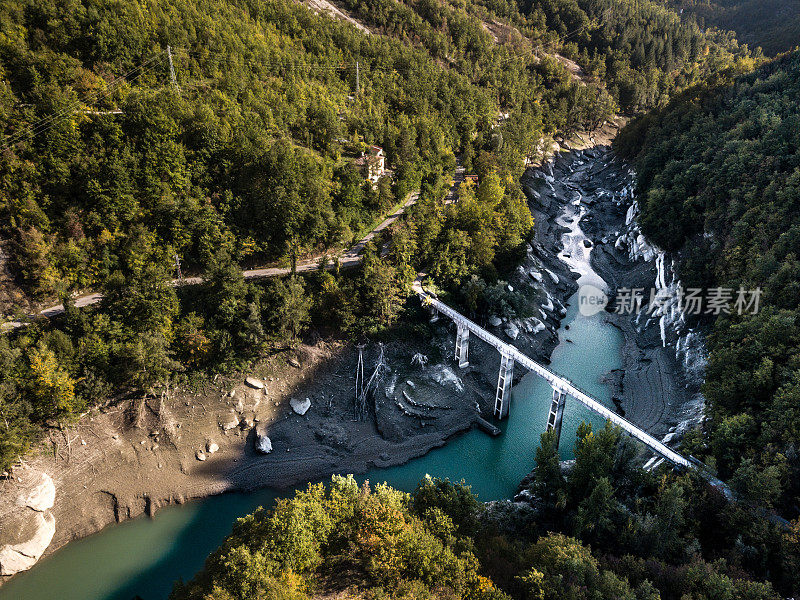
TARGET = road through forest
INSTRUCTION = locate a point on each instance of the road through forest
(348, 258)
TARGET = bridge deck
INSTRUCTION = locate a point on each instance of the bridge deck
(557, 381)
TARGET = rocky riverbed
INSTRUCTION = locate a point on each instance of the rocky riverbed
(658, 386)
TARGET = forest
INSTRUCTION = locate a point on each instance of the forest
(608, 530)
(774, 25)
(640, 52)
(719, 176)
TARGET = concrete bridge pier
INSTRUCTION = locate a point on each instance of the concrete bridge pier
(502, 400)
(434, 313)
(462, 345)
(556, 415)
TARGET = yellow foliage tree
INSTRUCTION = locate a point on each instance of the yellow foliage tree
(52, 387)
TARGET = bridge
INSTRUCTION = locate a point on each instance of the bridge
(562, 387)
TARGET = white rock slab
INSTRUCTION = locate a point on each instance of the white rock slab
(40, 493)
(20, 557)
(300, 406)
(12, 562)
(254, 383)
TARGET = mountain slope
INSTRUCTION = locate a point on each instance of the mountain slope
(719, 174)
(772, 24)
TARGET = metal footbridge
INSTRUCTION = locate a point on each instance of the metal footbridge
(562, 387)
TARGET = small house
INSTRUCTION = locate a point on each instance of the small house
(372, 163)
(472, 178)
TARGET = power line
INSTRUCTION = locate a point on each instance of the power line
(75, 106)
(172, 69)
(47, 123)
(99, 96)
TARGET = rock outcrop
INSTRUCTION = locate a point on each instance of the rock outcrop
(28, 525)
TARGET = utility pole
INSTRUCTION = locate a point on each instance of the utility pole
(172, 68)
(358, 86)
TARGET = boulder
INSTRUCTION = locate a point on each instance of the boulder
(12, 562)
(35, 530)
(39, 493)
(495, 321)
(239, 406)
(230, 422)
(254, 383)
(537, 325)
(200, 455)
(512, 331)
(553, 276)
(211, 447)
(262, 441)
(300, 406)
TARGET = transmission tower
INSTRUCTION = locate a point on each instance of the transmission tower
(172, 69)
(178, 267)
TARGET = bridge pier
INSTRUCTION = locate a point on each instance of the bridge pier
(502, 400)
(462, 345)
(434, 314)
(556, 415)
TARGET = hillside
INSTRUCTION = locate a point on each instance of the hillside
(110, 170)
(140, 137)
(772, 24)
(267, 90)
(99, 144)
(641, 51)
(719, 174)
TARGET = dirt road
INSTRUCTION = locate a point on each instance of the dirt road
(348, 258)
